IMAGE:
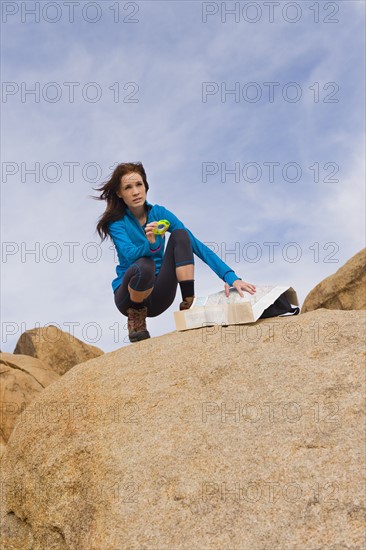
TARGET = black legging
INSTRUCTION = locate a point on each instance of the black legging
(141, 276)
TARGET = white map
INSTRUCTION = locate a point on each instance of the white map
(215, 308)
(234, 297)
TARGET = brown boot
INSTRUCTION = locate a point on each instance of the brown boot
(137, 324)
(186, 304)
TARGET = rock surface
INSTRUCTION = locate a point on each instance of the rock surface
(244, 437)
(345, 289)
(59, 349)
(22, 379)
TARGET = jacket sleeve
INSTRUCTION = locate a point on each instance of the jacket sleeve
(127, 248)
(205, 253)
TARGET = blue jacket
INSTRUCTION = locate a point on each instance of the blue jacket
(131, 243)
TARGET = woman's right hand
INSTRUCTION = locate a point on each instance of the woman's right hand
(151, 237)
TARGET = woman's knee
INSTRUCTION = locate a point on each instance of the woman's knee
(179, 234)
(143, 274)
(146, 264)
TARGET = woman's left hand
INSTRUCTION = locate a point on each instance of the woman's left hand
(240, 286)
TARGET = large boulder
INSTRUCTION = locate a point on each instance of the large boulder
(59, 349)
(22, 379)
(345, 289)
(239, 437)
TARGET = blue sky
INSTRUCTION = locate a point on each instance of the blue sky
(316, 198)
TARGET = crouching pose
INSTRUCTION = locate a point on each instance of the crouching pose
(148, 274)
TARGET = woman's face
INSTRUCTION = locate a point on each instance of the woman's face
(132, 190)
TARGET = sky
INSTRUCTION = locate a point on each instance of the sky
(249, 118)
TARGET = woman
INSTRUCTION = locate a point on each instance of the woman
(147, 276)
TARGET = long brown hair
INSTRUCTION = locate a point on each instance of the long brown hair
(116, 207)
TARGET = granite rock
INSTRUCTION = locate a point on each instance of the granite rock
(22, 379)
(345, 289)
(244, 437)
(59, 349)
